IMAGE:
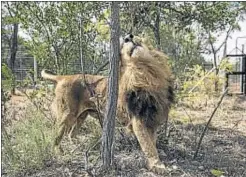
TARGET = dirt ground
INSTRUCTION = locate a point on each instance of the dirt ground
(223, 147)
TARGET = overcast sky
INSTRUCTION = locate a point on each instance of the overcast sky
(231, 43)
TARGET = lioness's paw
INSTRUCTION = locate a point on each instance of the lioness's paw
(158, 168)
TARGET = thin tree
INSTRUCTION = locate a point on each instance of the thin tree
(14, 46)
(109, 119)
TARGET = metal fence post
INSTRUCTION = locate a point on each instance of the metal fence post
(35, 70)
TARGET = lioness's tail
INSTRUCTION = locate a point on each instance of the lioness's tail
(49, 75)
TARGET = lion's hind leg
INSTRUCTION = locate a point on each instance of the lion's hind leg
(147, 140)
(76, 126)
(80, 120)
(58, 138)
(65, 125)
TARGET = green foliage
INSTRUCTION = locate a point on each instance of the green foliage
(225, 65)
(6, 72)
(27, 144)
(54, 29)
(7, 77)
(216, 16)
(194, 77)
(217, 173)
(197, 85)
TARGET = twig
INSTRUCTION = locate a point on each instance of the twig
(191, 90)
(86, 157)
(101, 67)
(187, 114)
(206, 127)
(236, 124)
(36, 106)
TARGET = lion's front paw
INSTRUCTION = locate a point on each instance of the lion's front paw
(157, 167)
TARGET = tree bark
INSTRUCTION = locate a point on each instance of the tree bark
(156, 27)
(13, 50)
(109, 120)
(157, 30)
(80, 42)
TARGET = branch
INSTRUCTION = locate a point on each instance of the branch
(191, 90)
(8, 7)
(211, 43)
(227, 35)
(40, 20)
(87, 156)
(206, 127)
(101, 67)
(48, 31)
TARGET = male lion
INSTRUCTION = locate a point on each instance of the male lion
(146, 93)
(145, 96)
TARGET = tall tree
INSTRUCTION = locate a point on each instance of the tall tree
(13, 12)
(109, 120)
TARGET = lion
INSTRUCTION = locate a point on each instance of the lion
(145, 96)
(73, 101)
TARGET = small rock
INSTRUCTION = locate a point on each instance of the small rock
(201, 168)
(173, 161)
(175, 167)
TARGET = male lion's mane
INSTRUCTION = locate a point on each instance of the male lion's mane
(146, 84)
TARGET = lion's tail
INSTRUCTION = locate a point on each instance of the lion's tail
(49, 75)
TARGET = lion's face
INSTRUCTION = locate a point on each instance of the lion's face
(133, 48)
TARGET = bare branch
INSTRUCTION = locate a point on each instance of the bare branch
(191, 90)
(206, 127)
(101, 67)
(226, 38)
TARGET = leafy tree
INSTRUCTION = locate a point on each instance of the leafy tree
(12, 19)
(63, 33)
(54, 28)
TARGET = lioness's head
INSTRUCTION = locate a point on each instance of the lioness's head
(133, 47)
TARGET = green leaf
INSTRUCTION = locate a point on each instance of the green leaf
(217, 173)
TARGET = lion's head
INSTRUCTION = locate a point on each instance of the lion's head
(133, 47)
(144, 65)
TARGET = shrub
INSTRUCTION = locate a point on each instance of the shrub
(7, 77)
(198, 84)
(27, 144)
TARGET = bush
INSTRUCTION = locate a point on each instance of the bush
(202, 83)
(7, 77)
(27, 144)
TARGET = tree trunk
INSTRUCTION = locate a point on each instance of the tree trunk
(80, 43)
(216, 84)
(109, 120)
(214, 51)
(13, 50)
(157, 27)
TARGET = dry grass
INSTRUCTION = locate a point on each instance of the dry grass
(223, 147)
